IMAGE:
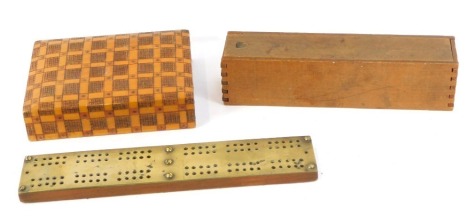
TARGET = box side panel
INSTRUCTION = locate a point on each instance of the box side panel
(355, 84)
(29, 107)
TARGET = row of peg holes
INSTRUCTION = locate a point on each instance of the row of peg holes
(199, 150)
(241, 144)
(277, 147)
(49, 164)
(287, 160)
(134, 172)
(91, 175)
(244, 169)
(297, 163)
(140, 173)
(135, 152)
(244, 163)
(93, 155)
(92, 160)
(45, 181)
(208, 172)
(200, 166)
(133, 178)
(135, 157)
(282, 142)
(51, 158)
(289, 166)
(202, 173)
(199, 147)
(48, 178)
(241, 147)
(91, 180)
(236, 150)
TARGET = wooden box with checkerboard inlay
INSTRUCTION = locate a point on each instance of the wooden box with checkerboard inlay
(109, 85)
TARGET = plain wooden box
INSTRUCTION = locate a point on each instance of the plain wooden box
(339, 70)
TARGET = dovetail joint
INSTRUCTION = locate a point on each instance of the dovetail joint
(453, 79)
(224, 74)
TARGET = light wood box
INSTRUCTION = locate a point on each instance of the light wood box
(339, 70)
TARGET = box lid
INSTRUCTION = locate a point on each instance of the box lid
(340, 47)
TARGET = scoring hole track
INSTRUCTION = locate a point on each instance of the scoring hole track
(244, 166)
(283, 144)
(241, 147)
(134, 174)
(90, 177)
(91, 158)
(135, 155)
(203, 169)
(49, 181)
(293, 163)
(199, 150)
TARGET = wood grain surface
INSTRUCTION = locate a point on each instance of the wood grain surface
(339, 70)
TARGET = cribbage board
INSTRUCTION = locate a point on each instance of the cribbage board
(115, 172)
(109, 85)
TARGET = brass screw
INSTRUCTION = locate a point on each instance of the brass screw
(22, 188)
(28, 158)
(169, 175)
(168, 162)
(307, 138)
(169, 149)
(311, 166)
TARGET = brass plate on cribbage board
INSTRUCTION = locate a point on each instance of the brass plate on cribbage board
(167, 168)
(109, 85)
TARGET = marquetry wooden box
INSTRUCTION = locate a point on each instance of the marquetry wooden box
(109, 85)
(339, 70)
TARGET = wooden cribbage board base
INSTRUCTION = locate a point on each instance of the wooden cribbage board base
(167, 168)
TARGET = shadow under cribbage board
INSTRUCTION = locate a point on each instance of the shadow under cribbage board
(109, 84)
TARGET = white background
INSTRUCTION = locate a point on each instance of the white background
(371, 162)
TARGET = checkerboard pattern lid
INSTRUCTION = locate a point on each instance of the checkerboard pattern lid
(109, 84)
